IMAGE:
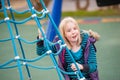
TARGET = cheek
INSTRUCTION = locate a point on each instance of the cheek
(78, 32)
(67, 35)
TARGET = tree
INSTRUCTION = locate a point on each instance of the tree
(37, 5)
(82, 8)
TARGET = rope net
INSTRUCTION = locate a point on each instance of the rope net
(19, 59)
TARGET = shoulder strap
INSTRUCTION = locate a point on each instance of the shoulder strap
(86, 50)
(61, 55)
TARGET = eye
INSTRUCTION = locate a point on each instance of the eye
(75, 28)
(68, 30)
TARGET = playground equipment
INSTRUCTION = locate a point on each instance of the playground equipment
(54, 22)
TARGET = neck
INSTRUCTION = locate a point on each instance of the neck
(75, 48)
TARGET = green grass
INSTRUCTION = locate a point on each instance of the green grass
(18, 16)
(101, 13)
(107, 48)
(108, 52)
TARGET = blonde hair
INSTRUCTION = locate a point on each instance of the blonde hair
(62, 30)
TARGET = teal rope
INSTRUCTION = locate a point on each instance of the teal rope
(25, 61)
(7, 39)
(20, 12)
(79, 72)
(1, 21)
(20, 44)
(12, 39)
(6, 63)
(47, 46)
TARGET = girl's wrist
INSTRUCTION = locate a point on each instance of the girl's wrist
(80, 66)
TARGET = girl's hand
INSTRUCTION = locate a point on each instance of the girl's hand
(73, 67)
(39, 33)
(94, 34)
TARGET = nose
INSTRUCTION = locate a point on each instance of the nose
(73, 31)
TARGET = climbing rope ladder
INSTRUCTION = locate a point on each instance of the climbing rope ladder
(23, 61)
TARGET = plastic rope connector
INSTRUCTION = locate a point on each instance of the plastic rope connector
(59, 41)
(24, 63)
(17, 36)
(17, 57)
(45, 12)
(49, 52)
(33, 8)
(82, 78)
(9, 7)
(42, 10)
(7, 18)
(34, 15)
(64, 45)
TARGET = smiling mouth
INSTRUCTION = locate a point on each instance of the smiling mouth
(74, 36)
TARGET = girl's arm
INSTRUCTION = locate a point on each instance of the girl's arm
(40, 46)
(94, 34)
(92, 61)
(91, 33)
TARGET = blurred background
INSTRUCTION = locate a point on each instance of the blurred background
(103, 19)
(69, 5)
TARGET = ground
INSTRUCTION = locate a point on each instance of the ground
(107, 48)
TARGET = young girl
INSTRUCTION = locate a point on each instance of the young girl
(76, 41)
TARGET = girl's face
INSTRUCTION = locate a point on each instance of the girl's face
(71, 32)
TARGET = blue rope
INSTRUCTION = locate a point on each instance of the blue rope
(12, 39)
(35, 16)
(22, 50)
(58, 33)
(7, 39)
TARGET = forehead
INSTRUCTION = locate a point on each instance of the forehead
(70, 25)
